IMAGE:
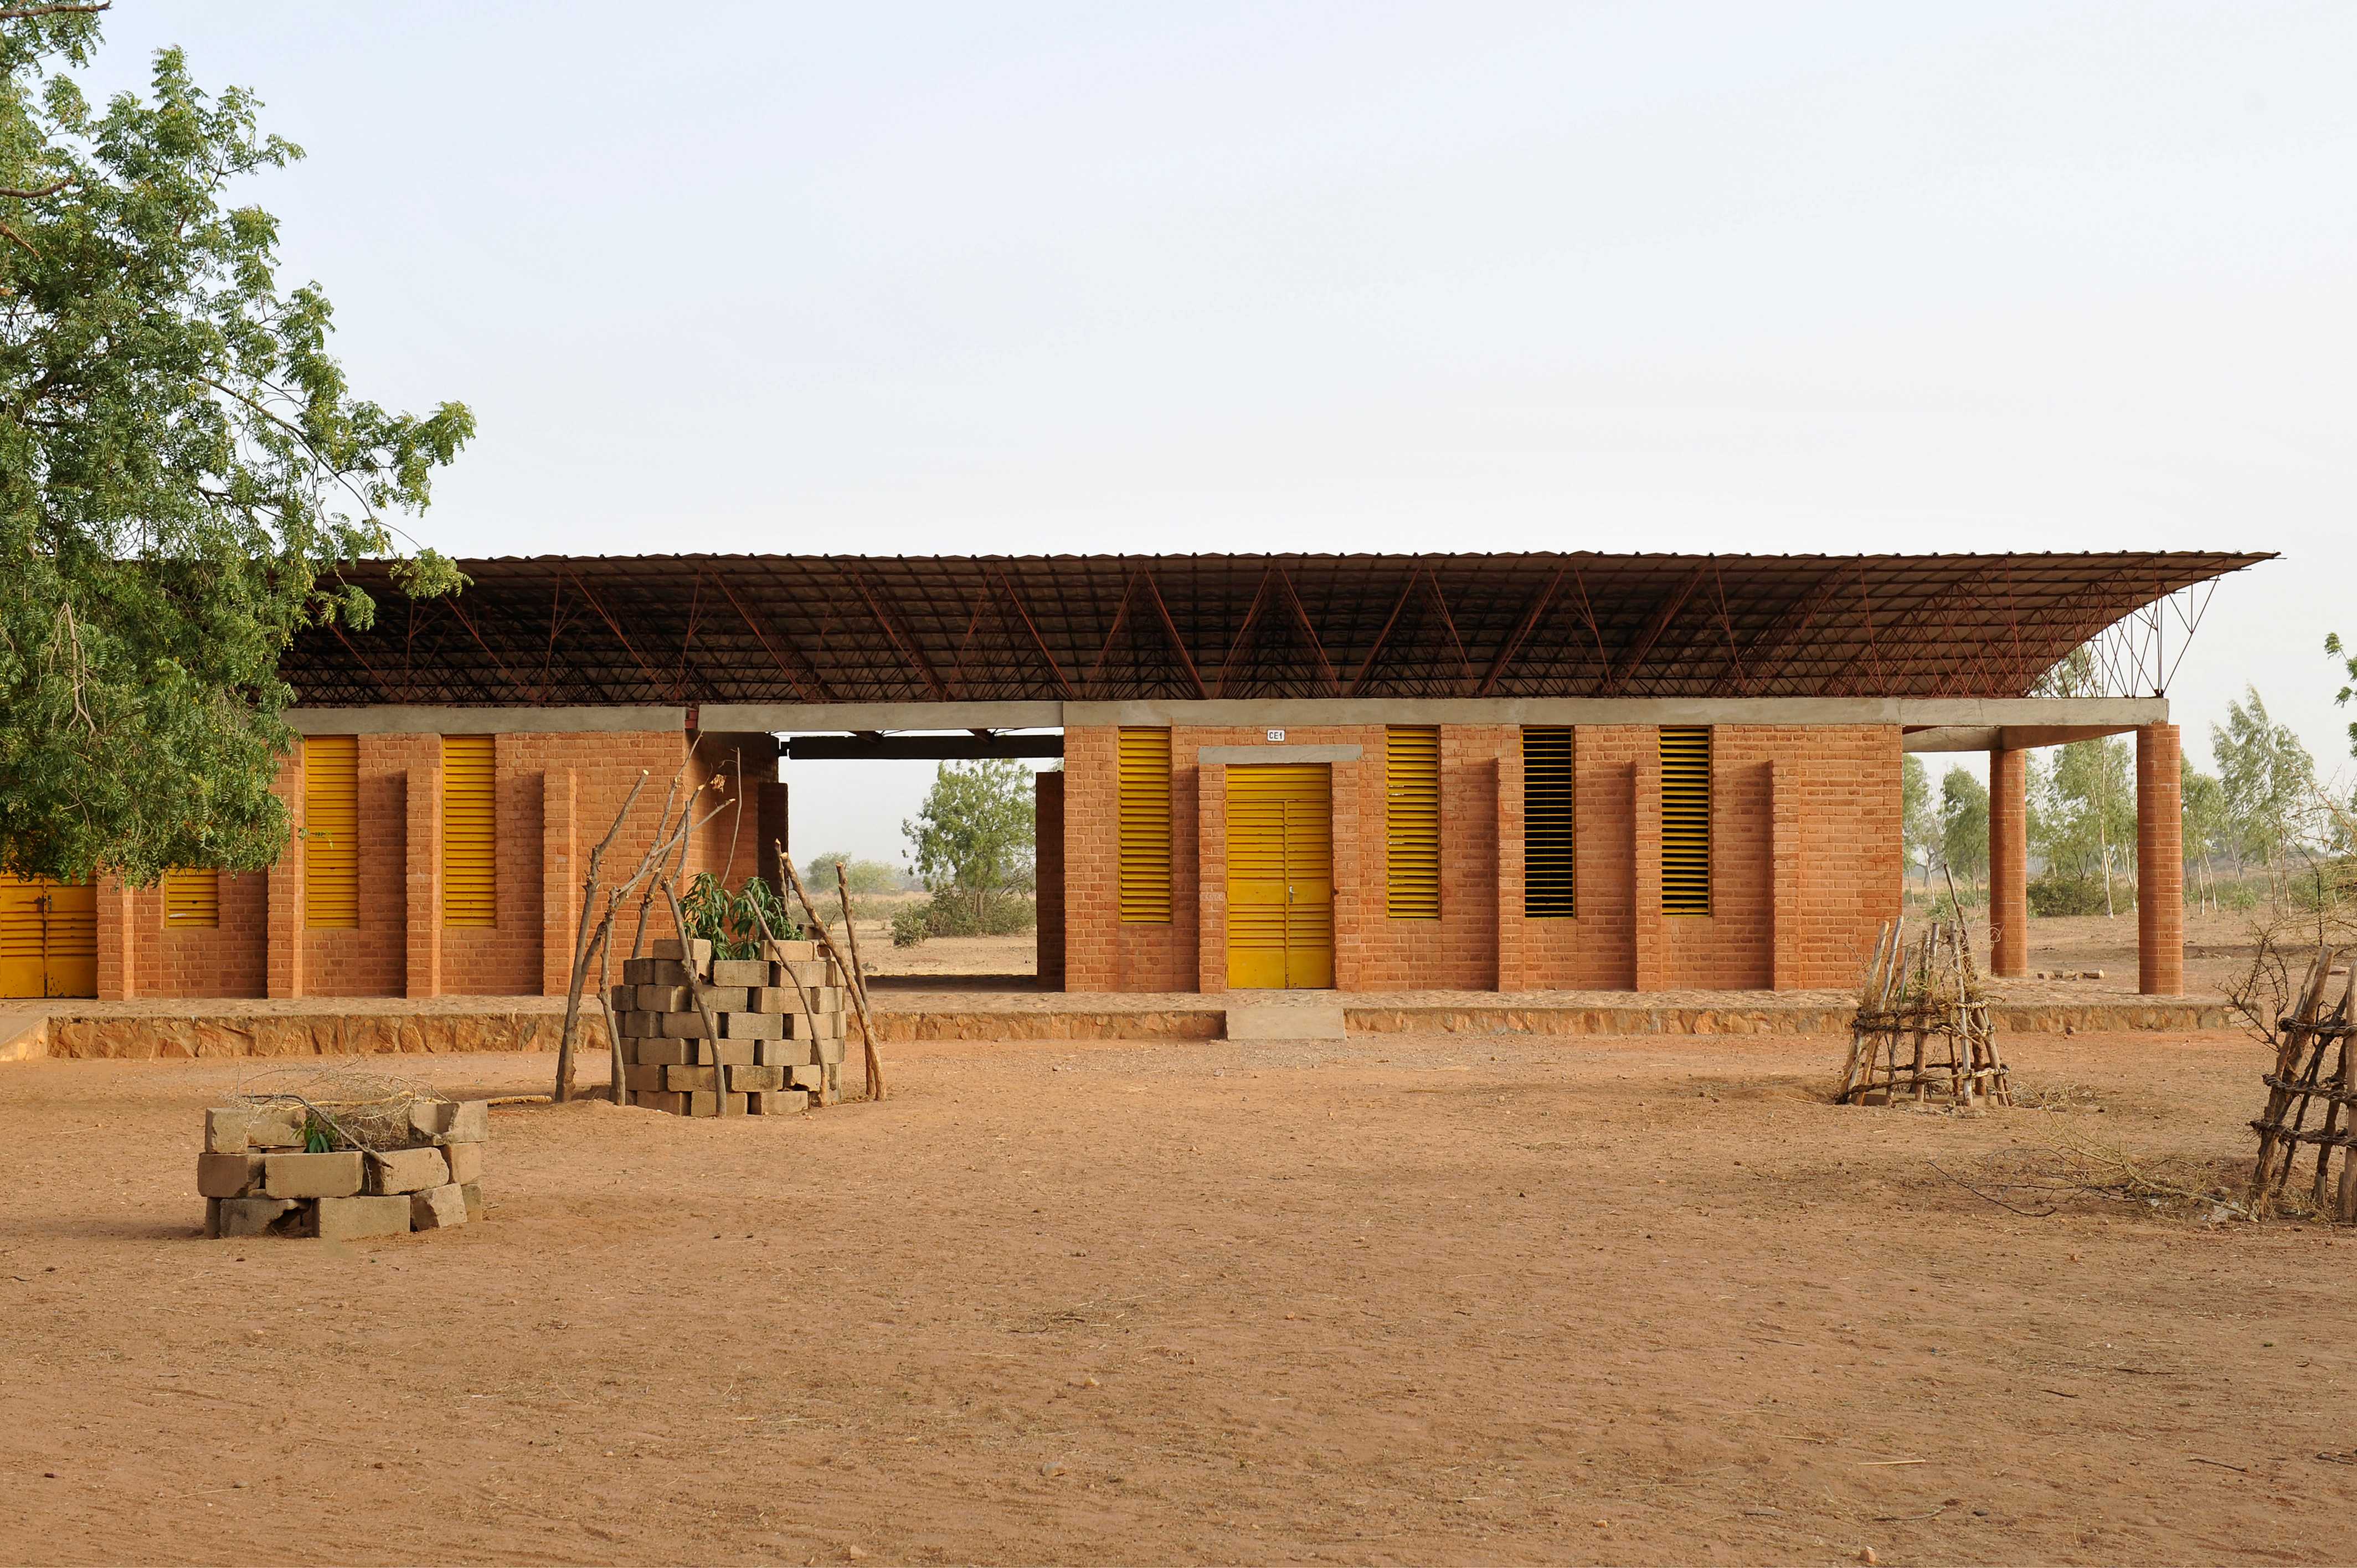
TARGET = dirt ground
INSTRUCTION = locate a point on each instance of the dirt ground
(1391, 1301)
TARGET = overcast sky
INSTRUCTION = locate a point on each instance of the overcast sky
(910, 278)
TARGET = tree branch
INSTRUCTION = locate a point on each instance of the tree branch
(61, 8)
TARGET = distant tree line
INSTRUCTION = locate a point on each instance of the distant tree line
(2261, 811)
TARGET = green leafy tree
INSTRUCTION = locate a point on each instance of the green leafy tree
(1963, 824)
(974, 840)
(863, 875)
(1919, 829)
(182, 466)
(2088, 814)
(2206, 827)
(2268, 781)
(2332, 646)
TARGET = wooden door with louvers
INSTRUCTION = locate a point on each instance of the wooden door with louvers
(48, 938)
(1281, 877)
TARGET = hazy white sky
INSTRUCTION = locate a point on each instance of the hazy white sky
(888, 278)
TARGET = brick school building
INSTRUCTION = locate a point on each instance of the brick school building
(1370, 773)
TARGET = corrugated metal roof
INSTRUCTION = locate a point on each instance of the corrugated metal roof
(803, 629)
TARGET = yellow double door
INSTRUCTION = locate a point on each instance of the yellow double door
(48, 938)
(1281, 876)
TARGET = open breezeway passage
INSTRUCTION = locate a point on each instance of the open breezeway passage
(1392, 1300)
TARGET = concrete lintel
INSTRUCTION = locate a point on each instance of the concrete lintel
(2006, 737)
(820, 718)
(428, 720)
(2115, 713)
(1247, 755)
(2109, 715)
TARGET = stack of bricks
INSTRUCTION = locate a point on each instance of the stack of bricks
(774, 1044)
(257, 1179)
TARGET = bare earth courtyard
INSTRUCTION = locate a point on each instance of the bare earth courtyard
(1386, 1300)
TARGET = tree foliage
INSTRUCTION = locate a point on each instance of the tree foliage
(2083, 814)
(182, 466)
(1963, 824)
(2268, 782)
(2203, 810)
(863, 875)
(1919, 829)
(974, 837)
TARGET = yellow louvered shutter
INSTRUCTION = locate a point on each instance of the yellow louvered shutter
(192, 895)
(331, 827)
(1144, 826)
(1549, 879)
(468, 831)
(1412, 820)
(1685, 821)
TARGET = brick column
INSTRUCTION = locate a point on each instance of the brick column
(118, 942)
(1513, 967)
(2160, 863)
(560, 880)
(1211, 877)
(2009, 832)
(1359, 880)
(422, 878)
(772, 800)
(1784, 854)
(1645, 855)
(284, 967)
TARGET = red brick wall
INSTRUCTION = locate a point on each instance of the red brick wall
(264, 945)
(1834, 790)
(1597, 948)
(1848, 824)
(227, 960)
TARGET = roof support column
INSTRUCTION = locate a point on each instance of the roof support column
(283, 958)
(1652, 968)
(2008, 830)
(560, 881)
(422, 881)
(2160, 863)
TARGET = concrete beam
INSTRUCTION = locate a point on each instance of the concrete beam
(822, 717)
(2006, 737)
(1246, 755)
(920, 748)
(429, 720)
(2105, 716)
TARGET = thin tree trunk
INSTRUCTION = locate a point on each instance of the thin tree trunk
(584, 942)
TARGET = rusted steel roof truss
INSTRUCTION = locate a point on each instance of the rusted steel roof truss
(659, 629)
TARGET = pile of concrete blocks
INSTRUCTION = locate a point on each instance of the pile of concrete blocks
(774, 1044)
(258, 1180)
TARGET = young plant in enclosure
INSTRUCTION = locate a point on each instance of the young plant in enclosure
(727, 921)
(182, 468)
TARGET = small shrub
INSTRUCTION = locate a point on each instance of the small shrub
(909, 926)
(2053, 895)
(953, 914)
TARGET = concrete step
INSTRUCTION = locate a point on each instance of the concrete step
(1286, 1021)
(24, 1037)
